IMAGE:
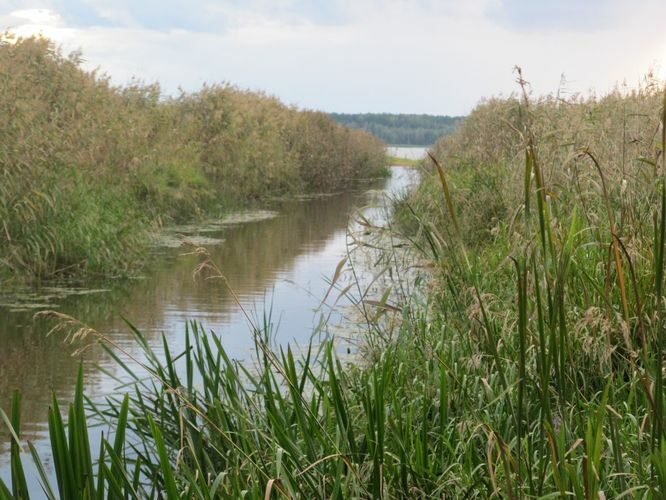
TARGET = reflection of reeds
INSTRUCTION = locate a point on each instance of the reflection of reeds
(210, 414)
(32, 362)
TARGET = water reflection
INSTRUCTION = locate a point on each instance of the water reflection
(278, 263)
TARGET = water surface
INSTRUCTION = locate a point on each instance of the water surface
(277, 264)
(409, 152)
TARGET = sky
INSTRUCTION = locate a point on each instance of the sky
(400, 56)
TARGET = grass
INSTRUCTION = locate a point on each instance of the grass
(562, 293)
(88, 168)
(529, 364)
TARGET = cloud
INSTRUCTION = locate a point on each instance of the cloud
(396, 55)
(44, 17)
(555, 16)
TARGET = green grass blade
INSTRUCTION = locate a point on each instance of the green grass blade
(170, 487)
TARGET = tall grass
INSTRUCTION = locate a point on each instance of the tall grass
(576, 342)
(532, 366)
(86, 167)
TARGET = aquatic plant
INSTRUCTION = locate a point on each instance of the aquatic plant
(529, 364)
(88, 168)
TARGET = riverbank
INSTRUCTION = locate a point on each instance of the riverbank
(527, 360)
(544, 221)
(90, 168)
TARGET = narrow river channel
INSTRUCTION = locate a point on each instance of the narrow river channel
(276, 262)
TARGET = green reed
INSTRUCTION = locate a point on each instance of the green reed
(528, 365)
(88, 169)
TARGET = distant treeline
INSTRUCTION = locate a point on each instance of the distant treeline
(401, 129)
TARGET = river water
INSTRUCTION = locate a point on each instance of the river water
(278, 262)
(409, 152)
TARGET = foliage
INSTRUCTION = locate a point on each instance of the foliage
(557, 313)
(402, 129)
(88, 168)
(531, 367)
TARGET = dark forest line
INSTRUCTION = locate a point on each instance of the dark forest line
(401, 129)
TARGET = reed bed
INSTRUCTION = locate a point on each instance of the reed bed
(548, 242)
(530, 364)
(87, 167)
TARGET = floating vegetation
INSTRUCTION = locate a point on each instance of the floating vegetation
(218, 225)
(308, 196)
(24, 299)
(24, 306)
(195, 234)
(167, 240)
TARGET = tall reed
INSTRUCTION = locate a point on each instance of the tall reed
(566, 344)
(529, 364)
(88, 168)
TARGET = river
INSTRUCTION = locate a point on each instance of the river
(276, 261)
(409, 152)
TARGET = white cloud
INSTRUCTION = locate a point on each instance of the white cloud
(397, 55)
(29, 22)
(44, 17)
